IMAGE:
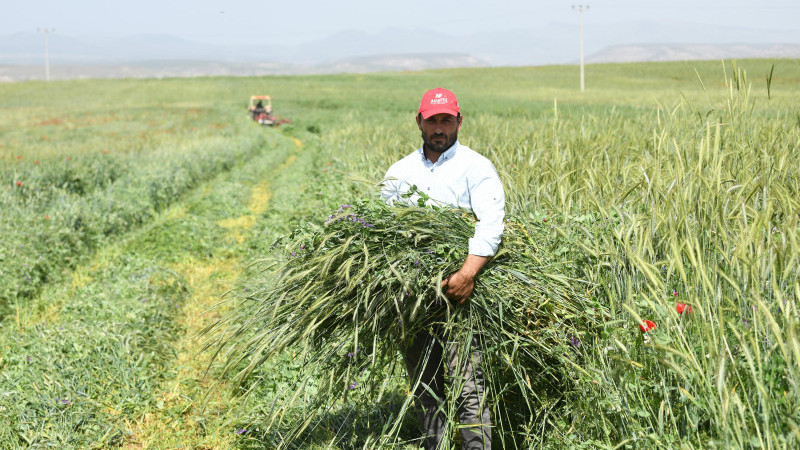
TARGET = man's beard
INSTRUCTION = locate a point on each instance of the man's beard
(443, 145)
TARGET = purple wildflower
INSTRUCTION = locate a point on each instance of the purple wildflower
(352, 385)
(294, 253)
(350, 218)
(674, 293)
(241, 431)
(416, 263)
(575, 342)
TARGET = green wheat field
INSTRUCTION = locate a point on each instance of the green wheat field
(142, 218)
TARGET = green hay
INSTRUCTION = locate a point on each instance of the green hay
(353, 290)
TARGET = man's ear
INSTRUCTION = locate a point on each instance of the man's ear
(459, 118)
(419, 121)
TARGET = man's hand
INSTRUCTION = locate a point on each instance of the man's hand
(459, 285)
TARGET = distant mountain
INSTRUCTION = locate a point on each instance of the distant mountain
(27, 48)
(164, 69)
(401, 49)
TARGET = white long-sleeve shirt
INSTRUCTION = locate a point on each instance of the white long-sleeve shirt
(461, 178)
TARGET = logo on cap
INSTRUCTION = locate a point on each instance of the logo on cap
(439, 99)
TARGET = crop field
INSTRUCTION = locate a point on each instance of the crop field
(142, 220)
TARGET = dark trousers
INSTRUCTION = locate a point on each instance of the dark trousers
(426, 360)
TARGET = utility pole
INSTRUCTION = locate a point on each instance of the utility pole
(46, 31)
(581, 9)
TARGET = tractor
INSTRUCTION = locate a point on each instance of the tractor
(260, 110)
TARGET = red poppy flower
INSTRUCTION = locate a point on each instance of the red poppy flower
(19, 183)
(647, 325)
(47, 216)
(36, 162)
(683, 308)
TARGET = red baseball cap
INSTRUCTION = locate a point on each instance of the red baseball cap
(437, 101)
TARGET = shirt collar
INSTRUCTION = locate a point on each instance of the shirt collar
(446, 155)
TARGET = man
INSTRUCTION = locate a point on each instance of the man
(453, 174)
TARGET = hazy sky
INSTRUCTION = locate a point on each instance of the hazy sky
(293, 21)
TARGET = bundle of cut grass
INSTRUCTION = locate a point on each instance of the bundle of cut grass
(352, 291)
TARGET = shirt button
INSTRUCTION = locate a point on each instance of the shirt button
(429, 188)
(431, 170)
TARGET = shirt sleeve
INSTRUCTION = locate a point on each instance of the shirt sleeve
(488, 203)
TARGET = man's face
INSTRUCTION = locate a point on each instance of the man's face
(440, 131)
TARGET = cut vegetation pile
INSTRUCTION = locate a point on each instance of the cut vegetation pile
(353, 290)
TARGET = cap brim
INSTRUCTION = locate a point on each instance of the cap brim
(433, 111)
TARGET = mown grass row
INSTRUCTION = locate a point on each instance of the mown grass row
(83, 162)
(89, 361)
(48, 225)
(206, 241)
(74, 373)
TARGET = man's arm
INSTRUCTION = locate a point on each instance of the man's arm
(488, 204)
(459, 285)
